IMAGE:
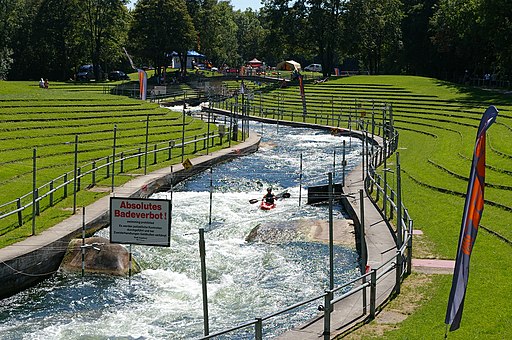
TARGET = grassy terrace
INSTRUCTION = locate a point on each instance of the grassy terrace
(49, 120)
(437, 122)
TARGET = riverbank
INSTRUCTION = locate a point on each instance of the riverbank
(24, 264)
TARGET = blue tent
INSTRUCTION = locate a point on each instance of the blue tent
(191, 54)
(195, 54)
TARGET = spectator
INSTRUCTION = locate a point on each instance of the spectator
(41, 83)
(46, 84)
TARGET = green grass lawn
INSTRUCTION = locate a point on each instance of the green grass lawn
(437, 122)
(48, 120)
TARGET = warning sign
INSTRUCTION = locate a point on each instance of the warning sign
(140, 221)
(187, 164)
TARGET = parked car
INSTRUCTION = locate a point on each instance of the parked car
(118, 75)
(86, 72)
(313, 68)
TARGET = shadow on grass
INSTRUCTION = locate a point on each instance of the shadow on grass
(481, 95)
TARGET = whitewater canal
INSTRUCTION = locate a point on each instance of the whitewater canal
(245, 279)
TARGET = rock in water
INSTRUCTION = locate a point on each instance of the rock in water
(110, 259)
(304, 230)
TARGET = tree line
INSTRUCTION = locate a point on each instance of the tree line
(447, 39)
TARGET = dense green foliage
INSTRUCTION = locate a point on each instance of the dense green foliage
(447, 39)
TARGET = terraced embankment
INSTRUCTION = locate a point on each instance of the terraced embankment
(437, 122)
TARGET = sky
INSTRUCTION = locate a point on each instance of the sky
(237, 4)
(244, 4)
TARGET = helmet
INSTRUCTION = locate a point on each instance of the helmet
(269, 189)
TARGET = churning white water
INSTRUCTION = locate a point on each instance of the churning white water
(245, 279)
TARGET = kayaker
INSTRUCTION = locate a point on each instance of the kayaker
(269, 197)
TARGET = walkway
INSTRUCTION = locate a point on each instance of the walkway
(381, 247)
(25, 263)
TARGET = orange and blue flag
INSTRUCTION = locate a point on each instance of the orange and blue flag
(473, 209)
(143, 83)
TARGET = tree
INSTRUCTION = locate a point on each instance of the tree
(8, 8)
(225, 47)
(217, 30)
(374, 32)
(56, 31)
(285, 23)
(250, 34)
(496, 19)
(325, 22)
(457, 35)
(104, 20)
(419, 56)
(161, 27)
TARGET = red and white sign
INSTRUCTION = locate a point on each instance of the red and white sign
(140, 221)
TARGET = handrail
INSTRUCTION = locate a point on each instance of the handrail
(370, 279)
(394, 263)
(68, 177)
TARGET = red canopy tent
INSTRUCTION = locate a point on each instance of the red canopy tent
(255, 63)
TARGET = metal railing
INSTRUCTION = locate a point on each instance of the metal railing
(398, 265)
(67, 184)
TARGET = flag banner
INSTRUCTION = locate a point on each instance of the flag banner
(143, 83)
(143, 77)
(301, 86)
(303, 95)
(473, 209)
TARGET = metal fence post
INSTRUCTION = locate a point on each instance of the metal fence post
(362, 240)
(154, 154)
(392, 198)
(409, 249)
(399, 231)
(202, 253)
(108, 167)
(65, 185)
(364, 295)
(121, 161)
(75, 174)
(37, 202)
(51, 193)
(20, 212)
(258, 329)
(398, 272)
(93, 180)
(327, 314)
(373, 293)
(78, 178)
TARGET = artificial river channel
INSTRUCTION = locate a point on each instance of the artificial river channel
(245, 279)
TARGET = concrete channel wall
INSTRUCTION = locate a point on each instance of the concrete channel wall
(24, 264)
(30, 261)
(375, 250)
